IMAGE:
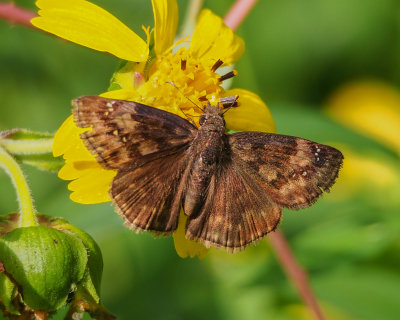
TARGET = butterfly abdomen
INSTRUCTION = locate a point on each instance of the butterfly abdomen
(206, 149)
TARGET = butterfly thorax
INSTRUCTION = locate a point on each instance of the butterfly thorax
(207, 148)
(211, 120)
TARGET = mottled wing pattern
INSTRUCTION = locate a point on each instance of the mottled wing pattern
(236, 212)
(125, 133)
(148, 148)
(292, 171)
(149, 197)
(233, 195)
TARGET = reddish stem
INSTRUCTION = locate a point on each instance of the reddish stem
(16, 15)
(294, 271)
(298, 276)
(238, 13)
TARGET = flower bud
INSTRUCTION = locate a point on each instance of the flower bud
(47, 266)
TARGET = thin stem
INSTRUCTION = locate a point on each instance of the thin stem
(238, 13)
(14, 14)
(26, 208)
(234, 17)
(189, 22)
(294, 271)
(28, 146)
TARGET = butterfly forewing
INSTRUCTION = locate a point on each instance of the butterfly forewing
(125, 133)
(148, 148)
(292, 171)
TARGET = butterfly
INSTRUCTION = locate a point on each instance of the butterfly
(232, 187)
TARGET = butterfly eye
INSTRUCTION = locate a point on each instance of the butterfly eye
(202, 119)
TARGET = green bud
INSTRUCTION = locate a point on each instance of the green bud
(44, 267)
(46, 264)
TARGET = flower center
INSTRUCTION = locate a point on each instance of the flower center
(181, 84)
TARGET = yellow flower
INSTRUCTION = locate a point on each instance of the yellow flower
(373, 109)
(143, 78)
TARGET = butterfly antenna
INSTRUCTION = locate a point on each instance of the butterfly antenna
(231, 101)
(173, 84)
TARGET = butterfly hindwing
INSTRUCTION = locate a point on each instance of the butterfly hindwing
(149, 197)
(148, 148)
(293, 171)
(125, 133)
(236, 211)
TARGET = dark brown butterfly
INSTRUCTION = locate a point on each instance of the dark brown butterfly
(232, 186)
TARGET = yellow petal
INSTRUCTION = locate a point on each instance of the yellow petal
(165, 24)
(86, 24)
(92, 186)
(67, 142)
(252, 114)
(91, 181)
(73, 169)
(184, 247)
(122, 94)
(213, 40)
(372, 108)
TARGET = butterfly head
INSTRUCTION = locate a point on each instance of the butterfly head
(212, 119)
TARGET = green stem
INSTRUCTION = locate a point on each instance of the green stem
(190, 19)
(30, 146)
(26, 208)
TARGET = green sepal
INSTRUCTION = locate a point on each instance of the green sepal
(46, 263)
(8, 292)
(130, 67)
(91, 280)
(8, 223)
(123, 67)
(45, 162)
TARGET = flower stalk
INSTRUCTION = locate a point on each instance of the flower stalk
(16, 15)
(294, 271)
(238, 12)
(39, 146)
(26, 207)
(191, 15)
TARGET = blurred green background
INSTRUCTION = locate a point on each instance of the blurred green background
(298, 53)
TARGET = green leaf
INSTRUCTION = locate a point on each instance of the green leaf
(374, 295)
